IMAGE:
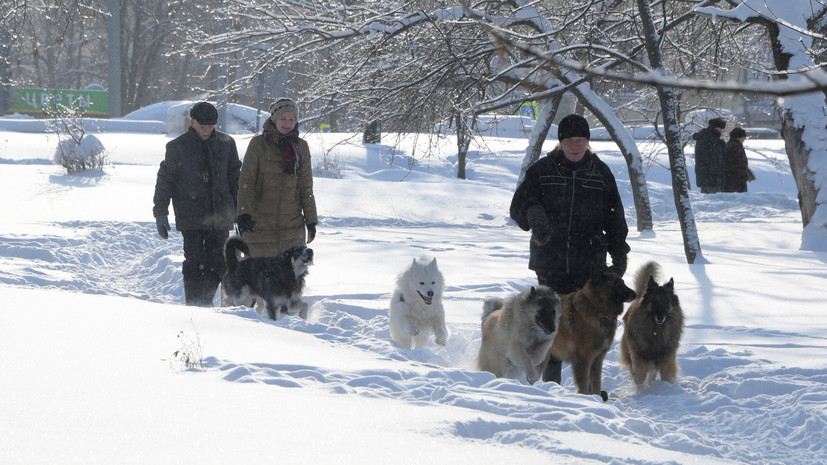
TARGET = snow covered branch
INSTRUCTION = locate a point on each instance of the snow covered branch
(815, 78)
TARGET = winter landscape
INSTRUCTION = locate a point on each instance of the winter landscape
(102, 363)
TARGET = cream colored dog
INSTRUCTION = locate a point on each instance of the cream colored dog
(517, 333)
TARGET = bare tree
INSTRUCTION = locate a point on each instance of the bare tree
(62, 44)
(794, 28)
(159, 68)
(680, 189)
(413, 64)
(11, 22)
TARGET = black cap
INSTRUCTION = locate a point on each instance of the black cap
(204, 113)
(718, 123)
(573, 126)
(737, 133)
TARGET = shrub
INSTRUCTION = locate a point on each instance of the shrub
(75, 156)
(76, 151)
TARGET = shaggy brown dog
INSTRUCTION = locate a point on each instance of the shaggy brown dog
(653, 328)
(517, 333)
(588, 326)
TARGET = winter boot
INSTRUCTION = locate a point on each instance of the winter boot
(198, 292)
(209, 286)
(191, 291)
(554, 370)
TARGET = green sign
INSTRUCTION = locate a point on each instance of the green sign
(90, 102)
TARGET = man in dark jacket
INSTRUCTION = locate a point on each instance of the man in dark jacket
(570, 202)
(709, 156)
(200, 175)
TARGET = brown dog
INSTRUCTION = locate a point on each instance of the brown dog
(588, 326)
(653, 328)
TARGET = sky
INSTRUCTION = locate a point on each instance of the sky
(95, 340)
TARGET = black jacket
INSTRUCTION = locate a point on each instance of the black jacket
(201, 179)
(584, 210)
(709, 154)
(735, 167)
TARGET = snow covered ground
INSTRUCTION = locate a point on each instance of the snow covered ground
(94, 336)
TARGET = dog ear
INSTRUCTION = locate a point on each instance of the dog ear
(670, 286)
(651, 284)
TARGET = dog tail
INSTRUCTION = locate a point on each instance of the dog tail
(491, 305)
(642, 276)
(233, 245)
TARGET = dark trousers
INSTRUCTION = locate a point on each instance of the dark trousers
(562, 284)
(203, 265)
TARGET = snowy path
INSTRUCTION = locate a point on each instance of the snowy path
(728, 403)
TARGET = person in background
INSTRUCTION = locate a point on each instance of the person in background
(570, 202)
(709, 155)
(736, 166)
(200, 175)
(276, 205)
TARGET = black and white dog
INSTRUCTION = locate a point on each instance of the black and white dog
(273, 284)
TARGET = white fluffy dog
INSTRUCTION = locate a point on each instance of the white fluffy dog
(416, 306)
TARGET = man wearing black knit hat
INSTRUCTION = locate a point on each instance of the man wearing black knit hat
(200, 175)
(570, 203)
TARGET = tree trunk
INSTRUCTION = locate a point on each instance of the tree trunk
(463, 143)
(5, 71)
(677, 163)
(546, 114)
(373, 133)
(804, 143)
(799, 153)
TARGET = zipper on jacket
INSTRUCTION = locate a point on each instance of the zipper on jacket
(571, 218)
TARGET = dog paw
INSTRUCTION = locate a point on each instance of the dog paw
(414, 331)
(440, 341)
(604, 395)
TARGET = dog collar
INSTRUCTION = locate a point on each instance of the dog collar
(612, 319)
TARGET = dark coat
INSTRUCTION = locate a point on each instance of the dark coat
(709, 155)
(584, 210)
(201, 179)
(736, 167)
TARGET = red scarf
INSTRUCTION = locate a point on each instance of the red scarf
(289, 147)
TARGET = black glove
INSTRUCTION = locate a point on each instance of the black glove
(619, 264)
(311, 232)
(538, 222)
(162, 223)
(245, 223)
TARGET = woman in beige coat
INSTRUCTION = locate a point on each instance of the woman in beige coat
(276, 206)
